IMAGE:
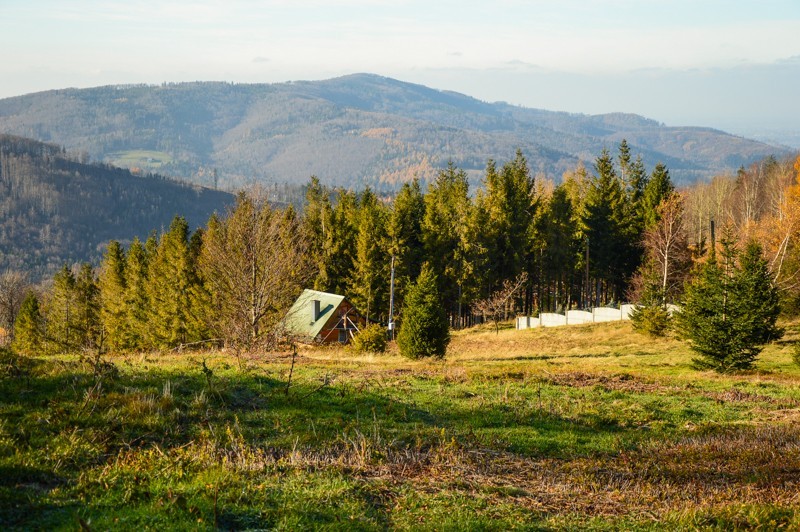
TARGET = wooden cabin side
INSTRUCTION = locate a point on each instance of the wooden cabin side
(344, 323)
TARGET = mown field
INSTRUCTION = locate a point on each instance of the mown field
(586, 427)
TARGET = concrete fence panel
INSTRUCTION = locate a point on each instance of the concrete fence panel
(550, 319)
(626, 310)
(576, 317)
(602, 314)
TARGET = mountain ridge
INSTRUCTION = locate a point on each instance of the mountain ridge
(356, 130)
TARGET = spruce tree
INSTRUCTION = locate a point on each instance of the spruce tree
(28, 327)
(730, 310)
(405, 236)
(87, 309)
(168, 287)
(113, 308)
(659, 188)
(369, 289)
(61, 313)
(424, 331)
(136, 301)
(445, 234)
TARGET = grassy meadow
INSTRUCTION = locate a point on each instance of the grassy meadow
(585, 427)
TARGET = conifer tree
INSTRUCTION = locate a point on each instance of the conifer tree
(404, 230)
(168, 287)
(369, 288)
(337, 258)
(28, 327)
(135, 297)
(87, 309)
(317, 215)
(604, 224)
(511, 206)
(730, 309)
(445, 235)
(424, 331)
(61, 313)
(200, 313)
(659, 187)
(113, 307)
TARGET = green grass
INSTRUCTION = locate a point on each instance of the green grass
(591, 427)
(144, 159)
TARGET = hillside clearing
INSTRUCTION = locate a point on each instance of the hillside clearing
(580, 427)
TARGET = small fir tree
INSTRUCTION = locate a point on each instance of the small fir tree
(730, 310)
(650, 314)
(425, 331)
(28, 327)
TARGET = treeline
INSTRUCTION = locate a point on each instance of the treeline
(229, 282)
(618, 232)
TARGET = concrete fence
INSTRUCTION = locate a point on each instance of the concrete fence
(578, 317)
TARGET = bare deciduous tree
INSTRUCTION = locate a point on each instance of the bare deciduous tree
(13, 287)
(666, 245)
(254, 262)
(496, 306)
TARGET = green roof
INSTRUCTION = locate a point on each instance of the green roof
(300, 318)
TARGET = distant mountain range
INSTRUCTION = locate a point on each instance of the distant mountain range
(353, 131)
(57, 210)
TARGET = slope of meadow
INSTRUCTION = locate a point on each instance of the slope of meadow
(581, 427)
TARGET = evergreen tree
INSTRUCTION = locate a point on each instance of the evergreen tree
(658, 188)
(444, 235)
(317, 214)
(405, 236)
(28, 327)
(558, 249)
(511, 206)
(604, 225)
(87, 309)
(168, 286)
(369, 285)
(730, 310)
(650, 314)
(337, 256)
(136, 299)
(424, 331)
(113, 308)
(200, 312)
(61, 313)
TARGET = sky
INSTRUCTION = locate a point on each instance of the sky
(732, 64)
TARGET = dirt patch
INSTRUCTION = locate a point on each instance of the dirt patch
(617, 382)
(739, 396)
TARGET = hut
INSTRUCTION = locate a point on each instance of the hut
(320, 317)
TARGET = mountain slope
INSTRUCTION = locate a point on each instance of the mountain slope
(57, 210)
(355, 130)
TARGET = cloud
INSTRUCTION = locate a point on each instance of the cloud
(261, 59)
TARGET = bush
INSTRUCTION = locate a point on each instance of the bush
(653, 320)
(371, 339)
(796, 353)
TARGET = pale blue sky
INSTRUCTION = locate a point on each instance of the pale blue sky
(573, 55)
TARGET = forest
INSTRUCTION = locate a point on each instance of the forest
(614, 233)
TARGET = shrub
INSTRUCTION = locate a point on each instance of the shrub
(796, 353)
(653, 320)
(371, 339)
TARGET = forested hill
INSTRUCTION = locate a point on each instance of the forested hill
(56, 209)
(355, 130)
